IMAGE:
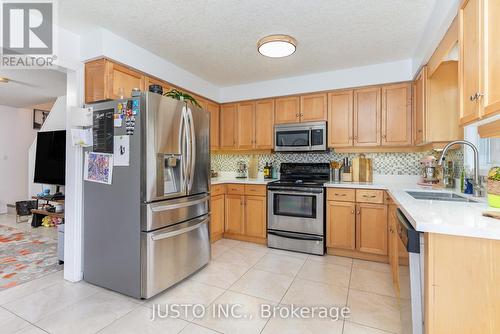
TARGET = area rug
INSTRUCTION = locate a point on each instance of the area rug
(25, 257)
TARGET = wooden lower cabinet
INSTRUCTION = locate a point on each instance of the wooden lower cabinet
(371, 228)
(356, 229)
(255, 216)
(393, 244)
(217, 217)
(234, 214)
(341, 227)
(245, 213)
(461, 284)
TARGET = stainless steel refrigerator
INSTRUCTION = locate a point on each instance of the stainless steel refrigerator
(148, 229)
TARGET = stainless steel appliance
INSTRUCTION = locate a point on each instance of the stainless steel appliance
(411, 286)
(296, 208)
(300, 137)
(148, 229)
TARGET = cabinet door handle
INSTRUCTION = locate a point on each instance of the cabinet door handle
(358, 212)
(384, 136)
(352, 211)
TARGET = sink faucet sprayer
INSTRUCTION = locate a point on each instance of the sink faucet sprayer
(477, 180)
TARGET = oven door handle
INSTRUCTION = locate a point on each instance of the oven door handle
(295, 192)
(295, 236)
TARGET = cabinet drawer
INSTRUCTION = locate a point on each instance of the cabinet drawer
(235, 189)
(341, 194)
(218, 189)
(255, 190)
(369, 196)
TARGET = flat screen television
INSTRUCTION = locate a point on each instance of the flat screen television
(50, 160)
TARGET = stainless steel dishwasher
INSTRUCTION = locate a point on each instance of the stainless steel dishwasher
(411, 281)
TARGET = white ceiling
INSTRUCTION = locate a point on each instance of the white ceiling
(31, 87)
(216, 39)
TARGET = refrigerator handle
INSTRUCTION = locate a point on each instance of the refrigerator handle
(185, 149)
(192, 156)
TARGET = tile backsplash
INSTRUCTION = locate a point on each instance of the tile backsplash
(383, 163)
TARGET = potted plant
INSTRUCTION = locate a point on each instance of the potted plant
(178, 95)
(494, 187)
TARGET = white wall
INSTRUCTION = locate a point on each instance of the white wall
(351, 77)
(16, 136)
(55, 121)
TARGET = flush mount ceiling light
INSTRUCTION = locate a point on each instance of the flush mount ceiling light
(4, 80)
(277, 46)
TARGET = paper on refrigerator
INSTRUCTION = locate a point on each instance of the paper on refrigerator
(98, 167)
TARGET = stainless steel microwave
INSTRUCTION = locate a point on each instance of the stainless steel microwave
(300, 137)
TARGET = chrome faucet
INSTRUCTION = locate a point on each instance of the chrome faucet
(477, 186)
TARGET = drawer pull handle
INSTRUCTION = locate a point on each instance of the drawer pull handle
(340, 194)
(369, 196)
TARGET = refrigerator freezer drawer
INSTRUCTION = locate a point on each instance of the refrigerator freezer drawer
(167, 213)
(171, 254)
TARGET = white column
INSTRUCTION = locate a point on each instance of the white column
(73, 245)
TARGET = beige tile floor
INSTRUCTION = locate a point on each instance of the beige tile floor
(239, 273)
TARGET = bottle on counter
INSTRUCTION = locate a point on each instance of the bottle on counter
(267, 171)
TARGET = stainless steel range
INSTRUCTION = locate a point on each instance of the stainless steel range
(296, 208)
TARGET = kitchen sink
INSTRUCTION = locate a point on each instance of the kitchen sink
(439, 196)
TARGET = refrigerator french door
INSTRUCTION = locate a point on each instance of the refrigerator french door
(149, 228)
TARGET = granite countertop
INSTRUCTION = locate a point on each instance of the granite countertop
(445, 217)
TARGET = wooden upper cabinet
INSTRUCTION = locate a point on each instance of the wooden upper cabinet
(264, 124)
(470, 61)
(153, 81)
(492, 59)
(228, 126)
(96, 85)
(367, 117)
(123, 80)
(246, 125)
(213, 109)
(105, 80)
(396, 115)
(371, 228)
(419, 101)
(287, 110)
(341, 225)
(340, 119)
(313, 107)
